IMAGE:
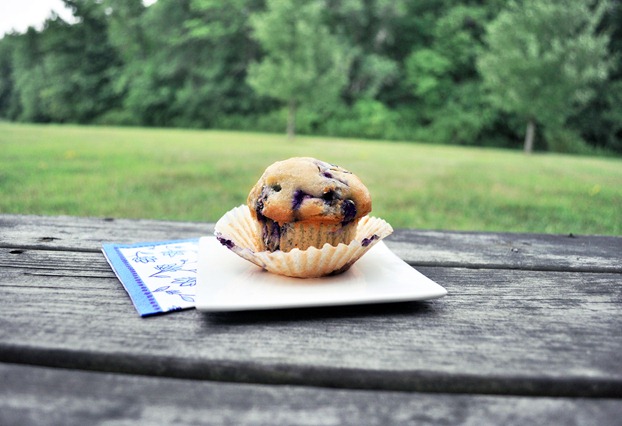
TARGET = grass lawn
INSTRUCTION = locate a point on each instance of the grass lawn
(198, 175)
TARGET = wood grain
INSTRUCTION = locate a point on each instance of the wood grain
(72, 397)
(509, 251)
(88, 234)
(526, 315)
(419, 248)
(498, 331)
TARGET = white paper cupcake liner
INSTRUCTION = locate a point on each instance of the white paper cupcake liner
(239, 232)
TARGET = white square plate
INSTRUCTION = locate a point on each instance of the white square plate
(226, 282)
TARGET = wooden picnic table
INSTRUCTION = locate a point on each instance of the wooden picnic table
(529, 333)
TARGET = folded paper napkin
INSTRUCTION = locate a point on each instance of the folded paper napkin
(158, 276)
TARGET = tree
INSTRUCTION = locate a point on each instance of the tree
(62, 73)
(370, 29)
(303, 62)
(185, 61)
(76, 62)
(156, 59)
(29, 77)
(542, 60)
(223, 29)
(600, 121)
(442, 75)
(8, 95)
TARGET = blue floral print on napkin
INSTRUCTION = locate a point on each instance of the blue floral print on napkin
(158, 276)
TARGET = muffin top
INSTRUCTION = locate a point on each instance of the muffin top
(304, 189)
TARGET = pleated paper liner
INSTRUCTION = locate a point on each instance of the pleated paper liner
(238, 231)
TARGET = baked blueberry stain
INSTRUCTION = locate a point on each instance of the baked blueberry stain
(271, 231)
(329, 196)
(261, 203)
(368, 241)
(348, 209)
(299, 197)
(326, 169)
(271, 235)
(225, 242)
(329, 175)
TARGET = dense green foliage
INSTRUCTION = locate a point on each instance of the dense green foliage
(543, 60)
(471, 72)
(198, 175)
(303, 62)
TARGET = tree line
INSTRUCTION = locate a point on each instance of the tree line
(543, 74)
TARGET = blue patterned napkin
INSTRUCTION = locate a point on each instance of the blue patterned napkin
(159, 276)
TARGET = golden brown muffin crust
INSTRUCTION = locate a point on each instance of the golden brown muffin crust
(304, 189)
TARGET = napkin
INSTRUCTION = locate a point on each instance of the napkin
(159, 276)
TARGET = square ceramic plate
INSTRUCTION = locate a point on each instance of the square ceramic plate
(226, 282)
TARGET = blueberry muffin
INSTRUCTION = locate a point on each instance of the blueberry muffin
(303, 202)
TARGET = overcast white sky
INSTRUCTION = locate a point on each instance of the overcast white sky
(18, 15)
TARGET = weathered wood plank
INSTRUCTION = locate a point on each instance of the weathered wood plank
(55, 262)
(43, 396)
(507, 250)
(419, 248)
(498, 331)
(87, 234)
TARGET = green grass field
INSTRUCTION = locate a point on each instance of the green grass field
(198, 175)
